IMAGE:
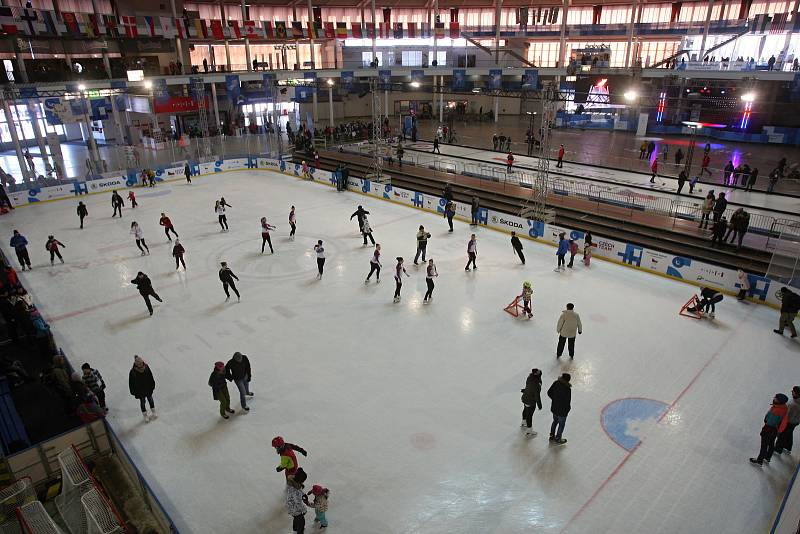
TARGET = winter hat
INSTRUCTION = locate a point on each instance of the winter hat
(316, 489)
(536, 372)
(278, 442)
(796, 390)
(86, 366)
(137, 360)
(780, 398)
(219, 365)
(566, 377)
(237, 356)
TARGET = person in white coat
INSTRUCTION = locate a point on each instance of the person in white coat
(136, 230)
(744, 284)
(569, 325)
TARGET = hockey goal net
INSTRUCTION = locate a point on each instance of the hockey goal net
(12, 497)
(81, 503)
(34, 519)
(515, 308)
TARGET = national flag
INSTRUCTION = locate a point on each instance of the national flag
(316, 30)
(438, 30)
(455, 31)
(29, 16)
(778, 22)
(252, 31)
(93, 25)
(129, 23)
(425, 30)
(411, 30)
(398, 30)
(111, 23)
(355, 28)
(330, 33)
(200, 28)
(180, 28)
(71, 22)
(268, 31)
(385, 30)
(49, 24)
(234, 24)
(341, 30)
(150, 24)
(297, 30)
(280, 30)
(216, 29)
(166, 27)
(369, 32)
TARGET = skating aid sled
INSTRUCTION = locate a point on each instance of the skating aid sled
(693, 302)
(515, 309)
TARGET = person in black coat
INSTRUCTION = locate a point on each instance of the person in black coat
(720, 205)
(219, 389)
(560, 394)
(187, 172)
(82, 212)
(237, 370)
(790, 305)
(475, 208)
(226, 276)
(682, 177)
(116, 203)
(141, 385)
(516, 244)
(145, 287)
(447, 193)
(718, 231)
(531, 399)
(710, 298)
(360, 213)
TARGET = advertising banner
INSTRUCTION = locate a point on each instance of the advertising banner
(459, 80)
(495, 79)
(233, 88)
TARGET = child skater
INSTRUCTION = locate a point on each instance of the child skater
(132, 198)
(375, 265)
(587, 253)
(219, 209)
(139, 235)
(430, 274)
(292, 223)
(320, 250)
(320, 504)
(472, 252)
(366, 231)
(265, 228)
(399, 271)
(177, 252)
(527, 297)
(51, 246)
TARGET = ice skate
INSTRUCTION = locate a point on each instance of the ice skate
(230, 411)
(523, 424)
(757, 462)
(238, 299)
(51, 263)
(397, 299)
(62, 261)
(559, 441)
(250, 394)
(144, 416)
(366, 281)
(531, 433)
(142, 254)
(225, 416)
(153, 414)
(227, 299)
(246, 408)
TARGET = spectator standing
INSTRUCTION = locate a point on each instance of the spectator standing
(531, 399)
(237, 370)
(786, 438)
(568, 326)
(682, 177)
(751, 180)
(20, 245)
(449, 213)
(718, 232)
(790, 304)
(720, 205)
(744, 284)
(475, 210)
(560, 394)
(775, 422)
(560, 162)
(141, 385)
(727, 172)
(705, 210)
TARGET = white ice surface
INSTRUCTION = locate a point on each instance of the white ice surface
(410, 412)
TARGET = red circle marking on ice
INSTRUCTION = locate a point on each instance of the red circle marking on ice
(423, 441)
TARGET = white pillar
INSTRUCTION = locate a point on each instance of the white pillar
(562, 39)
(330, 106)
(123, 133)
(12, 128)
(374, 31)
(441, 99)
(216, 105)
(33, 112)
(496, 109)
(178, 41)
(631, 30)
(705, 30)
(435, 40)
(497, 12)
(314, 102)
(227, 46)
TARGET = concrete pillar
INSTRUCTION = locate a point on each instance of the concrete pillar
(106, 63)
(20, 64)
(497, 12)
(178, 40)
(496, 109)
(246, 40)
(227, 46)
(122, 129)
(562, 39)
(311, 40)
(26, 174)
(330, 106)
(631, 32)
(216, 105)
(441, 99)
(374, 31)
(435, 40)
(705, 30)
(34, 114)
(314, 103)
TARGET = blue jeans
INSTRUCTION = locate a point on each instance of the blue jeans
(558, 424)
(320, 516)
(244, 388)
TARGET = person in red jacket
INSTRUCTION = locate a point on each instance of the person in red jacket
(132, 198)
(286, 451)
(654, 170)
(705, 164)
(774, 423)
(509, 162)
(167, 224)
(52, 247)
(560, 157)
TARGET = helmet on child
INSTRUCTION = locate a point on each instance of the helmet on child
(526, 284)
(278, 442)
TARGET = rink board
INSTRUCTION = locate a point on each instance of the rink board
(762, 289)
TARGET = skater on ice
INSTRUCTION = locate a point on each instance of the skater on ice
(531, 400)
(132, 198)
(366, 232)
(361, 214)
(743, 282)
(51, 246)
(227, 277)
(561, 251)
(167, 224)
(320, 251)
(375, 265)
(786, 439)
(94, 381)
(145, 287)
(265, 239)
(560, 394)
(472, 252)
(141, 386)
(219, 389)
(320, 504)
(138, 234)
(790, 305)
(116, 203)
(516, 244)
(568, 327)
(20, 245)
(399, 271)
(296, 500)
(187, 172)
(527, 298)
(573, 251)
(430, 274)
(775, 422)
(82, 212)
(292, 223)
(710, 298)
(449, 213)
(422, 244)
(288, 459)
(237, 370)
(219, 209)
(177, 252)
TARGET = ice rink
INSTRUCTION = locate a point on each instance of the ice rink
(410, 412)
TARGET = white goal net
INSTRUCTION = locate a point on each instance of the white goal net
(75, 481)
(12, 497)
(34, 519)
(100, 515)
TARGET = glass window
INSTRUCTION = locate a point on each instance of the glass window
(412, 58)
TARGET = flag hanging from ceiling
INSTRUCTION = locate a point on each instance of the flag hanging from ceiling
(150, 24)
(412, 30)
(425, 30)
(398, 30)
(280, 30)
(180, 28)
(49, 23)
(438, 30)
(71, 22)
(356, 29)
(370, 30)
(297, 30)
(234, 24)
(778, 23)
(200, 28)
(7, 22)
(341, 30)
(216, 29)
(111, 23)
(29, 16)
(167, 28)
(252, 30)
(385, 30)
(269, 33)
(129, 23)
(455, 31)
(330, 32)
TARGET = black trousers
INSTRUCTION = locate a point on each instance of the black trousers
(571, 346)
(368, 235)
(527, 414)
(785, 439)
(101, 397)
(117, 210)
(264, 240)
(299, 523)
(450, 222)
(374, 268)
(320, 265)
(188, 177)
(768, 435)
(520, 254)
(230, 284)
(82, 217)
(168, 229)
(560, 163)
(133, 205)
(146, 297)
(149, 401)
(22, 256)
(53, 253)
(560, 260)
(398, 285)
(471, 260)
(421, 249)
(429, 292)
(294, 228)
(571, 259)
(179, 258)
(223, 222)
(140, 242)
